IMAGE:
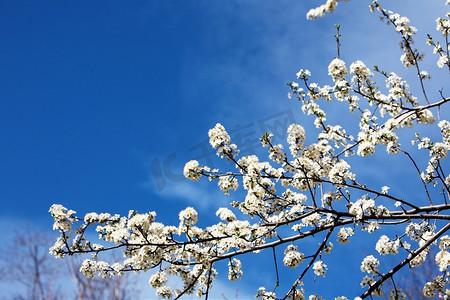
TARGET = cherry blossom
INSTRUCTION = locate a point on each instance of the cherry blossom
(308, 192)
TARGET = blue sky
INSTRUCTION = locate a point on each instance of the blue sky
(102, 103)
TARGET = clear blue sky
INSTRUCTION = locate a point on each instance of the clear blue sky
(102, 103)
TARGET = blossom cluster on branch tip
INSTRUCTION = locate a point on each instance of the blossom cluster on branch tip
(320, 11)
(310, 191)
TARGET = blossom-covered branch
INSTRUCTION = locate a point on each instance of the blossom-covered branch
(309, 191)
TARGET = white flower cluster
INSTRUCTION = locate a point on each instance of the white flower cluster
(371, 226)
(296, 138)
(430, 288)
(218, 136)
(362, 206)
(192, 170)
(292, 257)
(443, 26)
(220, 140)
(263, 295)
(343, 235)
(320, 11)
(63, 217)
(227, 183)
(410, 56)
(337, 69)
(235, 269)
(360, 70)
(157, 280)
(385, 246)
(319, 268)
(437, 151)
(340, 172)
(90, 268)
(370, 264)
(225, 214)
(443, 256)
(188, 216)
(277, 154)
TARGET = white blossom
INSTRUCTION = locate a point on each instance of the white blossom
(343, 235)
(234, 269)
(292, 257)
(157, 280)
(319, 268)
(370, 264)
(192, 170)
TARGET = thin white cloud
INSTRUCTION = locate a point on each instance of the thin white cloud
(202, 195)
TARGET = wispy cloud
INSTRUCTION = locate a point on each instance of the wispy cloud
(202, 195)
